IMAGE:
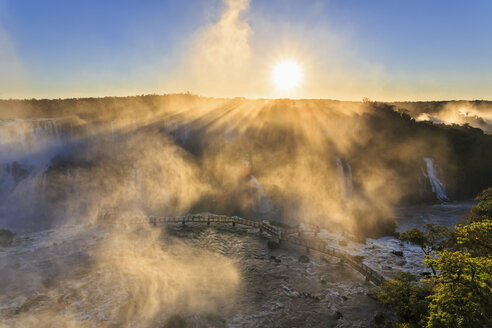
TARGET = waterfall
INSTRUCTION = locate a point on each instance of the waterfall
(7, 181)
(185, 133)
(22, 198)
(346, 186)
(112, 131)
(228, 133)
(260, 203)
(350, 186)
(421, 187)
(436, 185)
(341, 177)
(33, 141)
(27, 148)
(136, 184)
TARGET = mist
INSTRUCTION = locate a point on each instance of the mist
(342, 166)
(477, 114)
(77, 173)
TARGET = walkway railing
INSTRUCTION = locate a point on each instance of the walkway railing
(287, 234)
(320, 246)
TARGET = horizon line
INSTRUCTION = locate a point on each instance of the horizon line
(364, 99)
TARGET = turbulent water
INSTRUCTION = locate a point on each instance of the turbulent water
(55, 273)
(57, 277)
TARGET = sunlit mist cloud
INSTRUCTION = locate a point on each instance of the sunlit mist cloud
(232, 57)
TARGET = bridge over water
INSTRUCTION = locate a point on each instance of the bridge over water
(295, 235)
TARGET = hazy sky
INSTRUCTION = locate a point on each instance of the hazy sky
(384, 50)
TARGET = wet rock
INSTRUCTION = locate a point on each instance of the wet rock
(342, 243)
(174, 321)
(384, 226)
(215, 320)
(6, 237)
(30, 303)
(397, 253)
(310, 296)
(401, 262)
(323, 282)
(338, 315)
(304, 259)
(358, 258)
(272, 244)
(379, 318)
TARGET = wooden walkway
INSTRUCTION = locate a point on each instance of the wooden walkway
(295, 235)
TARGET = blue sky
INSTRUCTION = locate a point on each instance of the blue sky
(384, 50)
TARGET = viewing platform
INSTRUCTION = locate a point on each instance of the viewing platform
(294, 235)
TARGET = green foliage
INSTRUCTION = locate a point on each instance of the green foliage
(414, 236)
(459, 294)
(433, 239)
(476, 237)
(483, 210)
(407, 297)
(463, 291)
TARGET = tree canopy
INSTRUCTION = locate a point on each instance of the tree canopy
(459, 292)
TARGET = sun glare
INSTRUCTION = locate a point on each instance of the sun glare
(287, 75)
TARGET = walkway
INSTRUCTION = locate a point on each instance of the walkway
(295, 235)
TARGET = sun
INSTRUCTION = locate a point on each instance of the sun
(287, 74)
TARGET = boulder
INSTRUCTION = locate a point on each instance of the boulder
(379, 318)
(6, 237)
(397, 253)
(303, 259)
(272, 244)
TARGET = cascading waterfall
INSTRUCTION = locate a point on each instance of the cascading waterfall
(346, 185)
(436, 185)
(421, 185)
(341, 177)
(112, 131)
(21, 198)
(260, 202)
(178, 130)
(185, 133)
(136, 189)
(229, 133)
(7, 181)
(31, 139)
(27, 147)
(350, 186)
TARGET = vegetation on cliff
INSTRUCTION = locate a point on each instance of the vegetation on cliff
(459, 292)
